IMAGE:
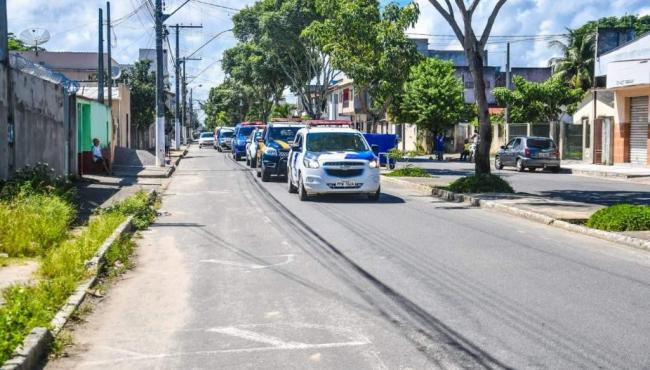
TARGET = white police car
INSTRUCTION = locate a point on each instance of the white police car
(332, 160)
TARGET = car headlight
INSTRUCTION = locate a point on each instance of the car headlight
(310, 163)
(374, 163)
(271, 151)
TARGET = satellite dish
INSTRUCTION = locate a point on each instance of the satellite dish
(116, 72)
(33, 37)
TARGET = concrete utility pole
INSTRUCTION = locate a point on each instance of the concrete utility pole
(177, 119)
(191, 111)
(184, 115)
(108, 54)
(5, 142)
(160, 88)
(100, 60)
(508, 81)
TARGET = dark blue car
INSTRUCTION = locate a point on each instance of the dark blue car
(242, 132)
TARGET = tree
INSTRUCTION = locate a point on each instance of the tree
(227, 104)
(16, 44)
(253, 68)
(433, 96)
(576, 65)
(276, 27)
(369, 46)
(534, 102)
(282, 110)
(474, 47)
(142, 84)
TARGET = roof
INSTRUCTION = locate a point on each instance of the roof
(496, 110)
(90, 92)
(65, 60)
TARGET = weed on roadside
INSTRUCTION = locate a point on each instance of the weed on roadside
(409, 171)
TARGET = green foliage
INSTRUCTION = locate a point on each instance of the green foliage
(39, 179)
(282, 110)
(576, 65)
(227, 104)
(63, 266)
(486, 183)
(32, 224)
(369, 45)
(142, 83)
(16, 44)
(409, 171)
(533, 102)
(621, 217)
(433, 96)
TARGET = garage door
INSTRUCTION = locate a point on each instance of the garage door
(639, 130)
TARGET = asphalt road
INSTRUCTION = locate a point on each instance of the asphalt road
(237, 274)
(561, 186)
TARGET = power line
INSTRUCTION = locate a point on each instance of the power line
(204, 70)
(209, 41)
(216, 5)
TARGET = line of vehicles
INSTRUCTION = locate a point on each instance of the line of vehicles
(315, 157)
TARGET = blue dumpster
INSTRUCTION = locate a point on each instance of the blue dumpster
(385, 142)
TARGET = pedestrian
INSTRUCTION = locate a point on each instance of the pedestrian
(440, 146)
(464, 156)
(98, 157)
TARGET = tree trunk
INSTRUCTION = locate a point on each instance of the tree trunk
(475, 60)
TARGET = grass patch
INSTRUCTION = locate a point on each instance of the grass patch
(63, 266)
(480, 184)
(408, 171)
(621, 217)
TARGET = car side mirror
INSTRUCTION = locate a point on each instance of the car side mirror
(296, 147)
(375, 149)
(503, 147)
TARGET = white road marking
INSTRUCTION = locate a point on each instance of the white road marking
(267, 219)
(288, 259)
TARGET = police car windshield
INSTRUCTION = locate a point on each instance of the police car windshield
(207, 134)
(335, 142)
(245, 131)
(226, 133)
(283, 133)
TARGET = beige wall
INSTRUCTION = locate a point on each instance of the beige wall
(587, 111)
(622, 121)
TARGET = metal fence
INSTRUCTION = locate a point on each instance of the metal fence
(517, 130)
(540, 129)
(27, 66)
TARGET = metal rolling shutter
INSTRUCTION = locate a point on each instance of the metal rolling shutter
(639, 130)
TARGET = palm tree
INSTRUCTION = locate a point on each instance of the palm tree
(576, 65)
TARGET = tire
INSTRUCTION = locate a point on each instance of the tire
(292, 188)
(302, 193)
(375, 196)
(237, 157)
(391, 165)
(259, 173)
(266, 176)
(497, 163)
(555, 169)
(248, 161)
(532, 169)
(520, 165)
(200, 146)
(253, 162)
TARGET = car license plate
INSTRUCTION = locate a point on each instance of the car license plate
(345, 184)
(543, 155)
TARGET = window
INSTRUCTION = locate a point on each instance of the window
(587, 128)
(487, 84)
(511, 144)
(469, 84)
(346, 98)
(517, 144)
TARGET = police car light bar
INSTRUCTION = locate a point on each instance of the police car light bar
(253, 123)
(329, 123)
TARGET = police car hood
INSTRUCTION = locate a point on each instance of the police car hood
(338, 156)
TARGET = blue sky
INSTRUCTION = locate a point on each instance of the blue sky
(73, 26)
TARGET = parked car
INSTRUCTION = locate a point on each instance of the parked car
(530, 152)
(251, 147)
(333, 160)
(205, 139)
(242, 132)
(273, 149)
(223, 138)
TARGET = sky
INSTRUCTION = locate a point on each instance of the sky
(73, 27)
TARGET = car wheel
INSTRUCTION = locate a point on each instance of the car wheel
(375, 196)
(497, 163)
(200, 146)
(391, 165)
(266, 176)
(292, 188)
(532, 169)
(248, 161)
(253, 162)
(237, 157)
(302, 193)
(259, 172)
(555, 169)
(520, 165)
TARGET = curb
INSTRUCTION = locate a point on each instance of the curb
(613, 175)
(547, 220)
(36, 346)
(420, 187)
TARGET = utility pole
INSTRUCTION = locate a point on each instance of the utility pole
(160, 93)
(6, 145)
(108, 54)
(100, 60)
(177, 119)
(184, 115)
(508, 81)
(191, 110)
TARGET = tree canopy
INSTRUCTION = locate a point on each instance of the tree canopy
(370, 46)
(533, 102)
(228, 103)
(142, 84)
(16, 44)
(433, 96)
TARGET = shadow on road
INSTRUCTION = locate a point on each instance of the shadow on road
(606, 198)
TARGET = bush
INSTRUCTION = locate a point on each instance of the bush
(480, 184)
(139, 206)
(409, 171)
(39, 179)
(621, 217)
(32, 224)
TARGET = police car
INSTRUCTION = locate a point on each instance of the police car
(326, 160)
(273, 149)
(242, 132)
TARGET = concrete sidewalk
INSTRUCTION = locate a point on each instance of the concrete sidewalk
(622, 171)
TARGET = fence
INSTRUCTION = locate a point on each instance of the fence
(573, 141)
